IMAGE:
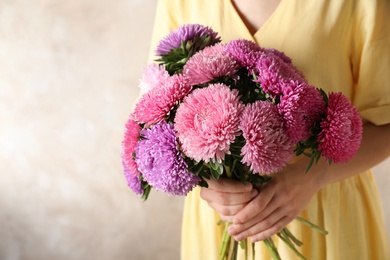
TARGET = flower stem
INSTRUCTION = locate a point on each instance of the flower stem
(225, 247)
(253, 251)
(310, 224)
(286, 240)
(272, 249)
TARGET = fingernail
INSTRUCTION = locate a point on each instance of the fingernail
(254, 193)
(248, 186)
(238, 238)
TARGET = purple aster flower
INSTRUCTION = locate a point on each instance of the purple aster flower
(183, 34)
(133, 181)
(161, 162)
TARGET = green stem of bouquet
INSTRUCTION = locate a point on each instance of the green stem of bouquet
(284, 236)
(319, 229)
(253, 251)
(233, 251)
(244, 246)
(272, 248)
(224, 251)
(288, 235)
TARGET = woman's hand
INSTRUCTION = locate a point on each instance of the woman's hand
(227, 196)
(288, 193)
(262, 213)
(278, 202)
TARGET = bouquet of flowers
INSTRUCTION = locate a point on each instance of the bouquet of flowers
(233, 110)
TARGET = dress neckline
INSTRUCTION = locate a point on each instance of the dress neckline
(256, 34)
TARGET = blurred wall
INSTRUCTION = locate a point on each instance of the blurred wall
(68, 78)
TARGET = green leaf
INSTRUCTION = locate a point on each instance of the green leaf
(197, 168)
(215, 173)
(218, 167)
(202, 182)
(147, 189)
(310, 163)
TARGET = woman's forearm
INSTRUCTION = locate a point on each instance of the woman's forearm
(375, 148)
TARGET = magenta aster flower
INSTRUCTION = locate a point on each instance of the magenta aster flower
(279, 54)
(133, 181)
(154, 76)
(342, 129)
(208, 64)
(156, 104)
(267, 148)
(161, 163)
(185, 33)
(207, 122)
(130, 139)
(245, 52)
(274, 74)
(300, 106)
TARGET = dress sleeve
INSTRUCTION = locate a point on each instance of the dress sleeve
(164, 22)
(371, 61)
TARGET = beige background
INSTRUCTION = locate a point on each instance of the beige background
(68, 77)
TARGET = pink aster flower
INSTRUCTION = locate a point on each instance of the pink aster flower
(208, 64)
(154, 76)
(245, 52)
(267, 148)
(279, 54)
(207, 122)
(187, 32)
(130, 139)
(300, 106)
(342, 129)
(274, 74)
(156, 104)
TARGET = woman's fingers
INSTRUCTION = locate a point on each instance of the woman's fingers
(227, 199)
(265, 226)
(260, 206)
(228, 185)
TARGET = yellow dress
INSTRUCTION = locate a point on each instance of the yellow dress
(340, 45)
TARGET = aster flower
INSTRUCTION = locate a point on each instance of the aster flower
(245, 52)
(274, 74)
(300, 106)
(153, 76)
(187, 32)
(207, 122)
(279, 54)
(157, 104)
(208, 64)
(161, 162)
(341, 129)
(130, 139)
(175, 49)
(267, 148)
(133, 181)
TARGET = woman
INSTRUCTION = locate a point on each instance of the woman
(339, 46)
